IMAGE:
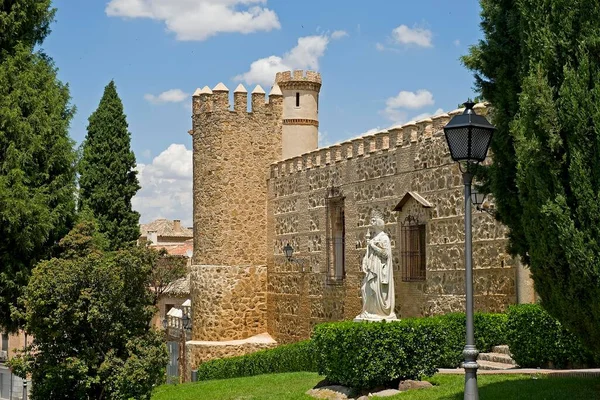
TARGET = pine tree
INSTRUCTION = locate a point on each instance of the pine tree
(539, 65)
(108, 178)
(37, 160)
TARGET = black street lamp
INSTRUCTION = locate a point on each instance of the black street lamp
(288, 250)
(469, 136)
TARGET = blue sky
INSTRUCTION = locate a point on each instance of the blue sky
(382, 63)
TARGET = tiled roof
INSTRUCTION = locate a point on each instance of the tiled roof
(182, 249)
(179, 287)
(165, 227)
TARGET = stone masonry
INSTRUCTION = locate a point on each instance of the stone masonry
(249, 203)
(377, 171)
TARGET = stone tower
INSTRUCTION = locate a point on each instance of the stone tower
(300, 111)
(232, 151)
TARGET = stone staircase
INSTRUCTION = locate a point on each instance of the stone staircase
(498, 359)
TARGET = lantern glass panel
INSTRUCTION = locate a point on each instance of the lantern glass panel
(477, 198)
(480, 142)
(458, 142)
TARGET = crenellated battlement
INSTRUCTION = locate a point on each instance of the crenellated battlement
(218, 99)
(299, 79)
(403, 135)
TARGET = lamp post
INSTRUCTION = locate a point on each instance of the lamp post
(468, 136)
(185, 327)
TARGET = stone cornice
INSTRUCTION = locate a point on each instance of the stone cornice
(301, 121)
(300, 85)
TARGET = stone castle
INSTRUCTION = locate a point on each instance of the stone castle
(261, 182)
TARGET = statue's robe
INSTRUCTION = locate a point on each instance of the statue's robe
(378, 284)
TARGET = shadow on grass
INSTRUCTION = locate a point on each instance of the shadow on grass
(536, 388)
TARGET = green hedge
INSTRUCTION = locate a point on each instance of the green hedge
(490, 330)
(409, 348)
(286, 358)
(536, 339)
(365, 355)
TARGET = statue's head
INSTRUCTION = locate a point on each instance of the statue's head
(377, 221)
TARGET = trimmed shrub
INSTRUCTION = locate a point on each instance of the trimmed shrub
(365, 355)
(490, 330)
(293, 357)
(536, 339)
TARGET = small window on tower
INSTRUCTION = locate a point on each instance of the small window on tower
(297, 99)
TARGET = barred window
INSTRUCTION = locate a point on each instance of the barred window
(412, 250)
(336, 236)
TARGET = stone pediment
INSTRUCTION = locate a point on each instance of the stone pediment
(415, 196)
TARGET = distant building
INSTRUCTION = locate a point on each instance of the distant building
(177, 241)
(165, 233)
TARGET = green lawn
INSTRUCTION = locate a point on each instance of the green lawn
(291, 386)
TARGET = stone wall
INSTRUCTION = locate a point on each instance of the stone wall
(228, 302)
(202, 351)
(377, 171)
(233, 149)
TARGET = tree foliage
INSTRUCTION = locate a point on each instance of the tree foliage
(108, 178)
(90, 317)
(23, 23)
(539, 66)
(37, 173)
(166, 271)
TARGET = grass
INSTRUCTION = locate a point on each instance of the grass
(292, 386)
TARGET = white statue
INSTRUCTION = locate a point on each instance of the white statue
(378, 285)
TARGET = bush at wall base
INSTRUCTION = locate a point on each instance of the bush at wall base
(410, 348)
(293, 357)
(365, 355)
(536, 339)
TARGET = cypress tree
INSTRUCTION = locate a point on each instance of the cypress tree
(37, 159)
(539, 65)
(108, 179)
(24, 22)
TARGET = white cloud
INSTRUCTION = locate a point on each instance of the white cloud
(417, 36)
(169, 96)
(426, 115)
(166, 186)
(305, 55)
(379, 46)
(456, 42)
(338, 34)
(200, 19)
(414, 100)
(396, 107)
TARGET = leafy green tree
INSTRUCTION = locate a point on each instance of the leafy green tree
(25, 23)
(166, 271)
(89, 315)
(108, 178)
(539, 66)
(37, 169)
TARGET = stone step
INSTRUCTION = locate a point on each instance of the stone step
(497, 358)
(501, 349)
(490, 365)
